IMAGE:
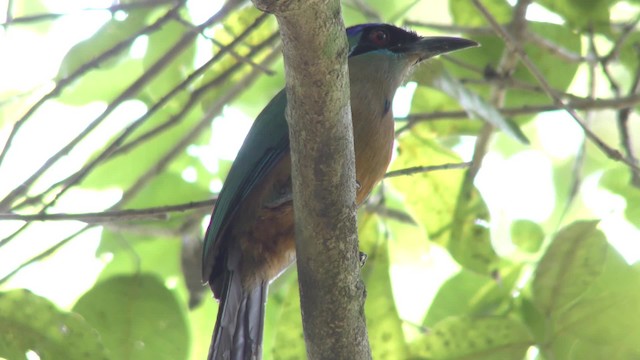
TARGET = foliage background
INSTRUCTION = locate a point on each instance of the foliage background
(142, 105)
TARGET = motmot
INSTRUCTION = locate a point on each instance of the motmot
(250, 238)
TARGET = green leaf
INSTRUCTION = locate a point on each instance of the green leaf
(601, 320)
(618, 181)
(115, 80)
(109, 35)
(470, 293)
(581, 14)
(113, 75)
(384, 326)
(491, 338)
(466, 14)
(173, 73)
(234, 25)
(432, 198)
(473, 104)
(288, 342)
(122, 170)
(132, 253)
(31, 323)
(138, 317)
(572, 262)
(168, 188)
(527, 235)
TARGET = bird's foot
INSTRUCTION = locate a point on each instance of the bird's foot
(362, 257)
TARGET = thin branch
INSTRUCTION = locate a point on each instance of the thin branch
(154, 213)
(164, 212)
(623, 129)
(582, 104)
(422, 169)
(514, 46)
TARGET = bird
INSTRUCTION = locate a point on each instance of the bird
(250, 237)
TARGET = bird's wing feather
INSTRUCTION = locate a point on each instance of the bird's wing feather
(265, 144)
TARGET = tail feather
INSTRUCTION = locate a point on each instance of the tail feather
(238, 331)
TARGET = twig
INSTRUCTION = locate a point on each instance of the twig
(422, 169)
(514, 46)
(623, 129)
(157, 213)
(390, 213)
(582, 104)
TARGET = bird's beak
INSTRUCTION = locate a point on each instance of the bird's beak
(428, 47)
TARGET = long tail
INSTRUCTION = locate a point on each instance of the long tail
(238, 331)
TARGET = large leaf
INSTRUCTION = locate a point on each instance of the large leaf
(122, 170)
(469, 293)
(138, 318)
(162, 43)
(490, 338)
(466, 14)
(384, 326)
(433, 198)
(131, 253)
(288, 342)
(31, 323)
(476, 106)
(115, 74)
(581, 14)
(572, 262)
(589, 296)
(618, 181)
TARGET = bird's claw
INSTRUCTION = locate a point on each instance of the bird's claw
(362, 258)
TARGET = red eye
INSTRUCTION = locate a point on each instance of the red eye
(379, 37)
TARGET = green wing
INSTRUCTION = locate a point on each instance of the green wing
(266, 142)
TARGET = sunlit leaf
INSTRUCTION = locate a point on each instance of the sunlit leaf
(527, 235)
(133, 253)
(490, 338)
(477, 106)
(138, 317)
(470, 293)
(466, 14)
(433, 197)
(572, 262)
(172, 39)
(581, 13)
(618, 181)
(109, 35)
(384, 326)
(602, 302)
(288, 340)
(31, 323)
